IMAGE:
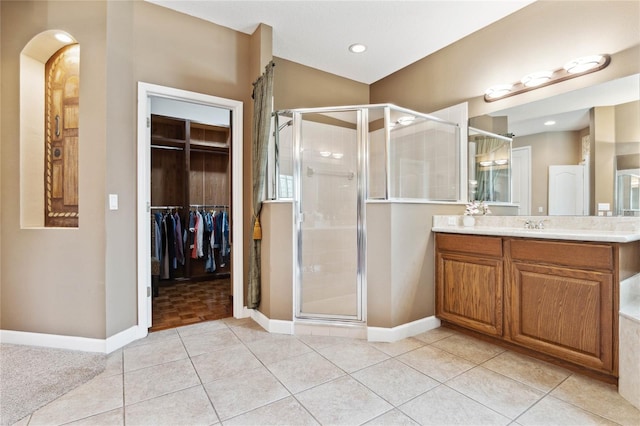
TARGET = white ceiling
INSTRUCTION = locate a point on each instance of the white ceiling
(317, 33)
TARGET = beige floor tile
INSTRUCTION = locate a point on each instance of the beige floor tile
(468, 348)
(342, 401)
(250, 332)
(239, 394)
(395, 381)
(500, 393)
(198, 344)
(237, 322)
(319, 341)
(114, 364)
(277, 348)
(225, 363)
(551, 412)
(399, 347)
(201, 327)
(153, 337)
(598, 398)
(434, 335)
(98, 395)
(436, 363)
(304, 371)
(285, 412)
(393, 417)
(151, 382)
(110, 418)
(445, 406)
(186, 407)
(153, 354)
(527, 370)
(352, 356)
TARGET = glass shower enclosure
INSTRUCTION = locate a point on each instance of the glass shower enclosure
(331, 162)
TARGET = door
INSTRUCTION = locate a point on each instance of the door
(567, 191)
(329, 216)
(521, 179)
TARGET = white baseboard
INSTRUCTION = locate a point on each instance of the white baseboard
(379, 334)
(272, 326)
(75, 343)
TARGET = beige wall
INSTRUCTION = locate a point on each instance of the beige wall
(277, 260)
(299, 86)
(536, 37)
(82, 282)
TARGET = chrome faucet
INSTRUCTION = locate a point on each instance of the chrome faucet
(531, 224)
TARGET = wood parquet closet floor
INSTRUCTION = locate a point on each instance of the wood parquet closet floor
(184, 303)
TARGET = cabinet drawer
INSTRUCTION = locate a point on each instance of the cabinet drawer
(473, 244)
(576, 255)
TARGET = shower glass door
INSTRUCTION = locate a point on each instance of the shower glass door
(329, 215)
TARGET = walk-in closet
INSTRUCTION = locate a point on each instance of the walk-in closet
(191, 221)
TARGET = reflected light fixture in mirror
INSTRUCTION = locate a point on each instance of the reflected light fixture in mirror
(571, 69)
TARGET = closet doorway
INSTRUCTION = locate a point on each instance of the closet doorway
(190, 252)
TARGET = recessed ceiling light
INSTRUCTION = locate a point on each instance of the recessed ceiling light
(536, 78)
(549, 123)
(325, 153)
(63, 37)
(357, 48)
(337, 155)
(583, 64)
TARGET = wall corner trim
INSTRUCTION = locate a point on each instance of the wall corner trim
(272, 326)
(75, 343)
(379, 334)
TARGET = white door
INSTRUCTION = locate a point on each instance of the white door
(145, 92)
(521, 179)
(567, 191)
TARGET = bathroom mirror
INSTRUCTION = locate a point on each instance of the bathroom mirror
(597, 127)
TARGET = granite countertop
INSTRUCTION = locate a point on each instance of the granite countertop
(602, 229)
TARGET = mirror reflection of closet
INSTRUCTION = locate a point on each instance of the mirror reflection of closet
(628, 185)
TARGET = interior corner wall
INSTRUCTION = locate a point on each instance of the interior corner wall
(82, 282)
(299, 86)
(533, 38)
(53, 279)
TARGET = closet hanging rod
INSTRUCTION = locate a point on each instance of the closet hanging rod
(164, 207)
(225, 206)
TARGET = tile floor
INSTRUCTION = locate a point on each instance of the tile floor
(232, 372)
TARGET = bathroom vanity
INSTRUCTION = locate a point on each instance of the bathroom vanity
(553, 292)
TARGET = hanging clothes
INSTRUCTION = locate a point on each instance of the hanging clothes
(178, 240)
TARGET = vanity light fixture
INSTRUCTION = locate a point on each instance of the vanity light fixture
(572, 69)
(498, 91)
(406, 120)
(64, 38)
(357, 48)
(536, 78)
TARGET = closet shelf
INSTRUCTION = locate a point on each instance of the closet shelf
(159, 140)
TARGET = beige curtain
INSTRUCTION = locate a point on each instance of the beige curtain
(487, 179)
(262, 111)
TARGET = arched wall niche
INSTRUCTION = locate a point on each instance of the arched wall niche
(33, 59)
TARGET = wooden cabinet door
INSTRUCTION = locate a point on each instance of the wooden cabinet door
(563, 312)
(469, 291)
(62, 94)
